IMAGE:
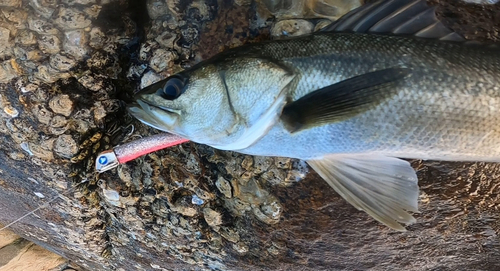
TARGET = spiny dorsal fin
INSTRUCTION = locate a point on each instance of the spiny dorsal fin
(399, 17)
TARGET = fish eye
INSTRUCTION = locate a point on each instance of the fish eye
(174, 87)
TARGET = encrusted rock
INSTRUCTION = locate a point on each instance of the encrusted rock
(46, 74)
(49, 44)
(61, 62)
(43, 150)
(162, 59)
(224, 187)
(7, 71)
(79, 2)
(71, 18)
(65, 146)
(322, 24)
(287, 9)
(42, 114)
(10, 3)
(331, 9)
(44, 7)
(58, 125)
(150, 78)
(4, 38)
(158, 9)
(291, 28)
(25, 37)
(213, 218)
(75, 43)
(61, 104)
(42, 26)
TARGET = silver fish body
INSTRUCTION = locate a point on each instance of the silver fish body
(448, 108)
(349, 102)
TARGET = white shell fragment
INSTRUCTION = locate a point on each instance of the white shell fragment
(196, 200)
(40, 195)
(11, 111)
(26, 148)
(112, 197)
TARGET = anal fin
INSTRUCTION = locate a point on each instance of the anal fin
(384, 187)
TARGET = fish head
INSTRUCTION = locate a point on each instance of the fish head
(228, 104)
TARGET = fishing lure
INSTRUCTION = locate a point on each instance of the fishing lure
(110, 159)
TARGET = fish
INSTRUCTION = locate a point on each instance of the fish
(385, 83)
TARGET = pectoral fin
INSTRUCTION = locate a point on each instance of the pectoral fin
(342, 100)
(384, 187)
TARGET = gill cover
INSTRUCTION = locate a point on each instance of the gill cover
(228, 103)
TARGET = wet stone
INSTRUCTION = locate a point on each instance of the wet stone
(93, 11)
(224, 187)
(65, 146)
(322, 24)
(213, 218)
(25, 37)
(331, 9)
(75, 43)
(97, 38)
(62, 62)
(150, 78)
(49, 44)
(158, 9)
(46, 74)
(5, 44)
(58, 124)
(291, 28)
(243, 2)
(146, 50)
(4, 37)
(44, 7)
(34, 55)
(42, 26)
(71, 18)
(167, 39)
(42, 114)
(7, 72)
(10, 3)
(162, 59)
(240, 247)
(42, 150)
(61, 104)
(135, 71)
(112, 197)
(92, 81)
(17, 16)
(80, 2)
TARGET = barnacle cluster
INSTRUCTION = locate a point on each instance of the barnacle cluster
(328, 9)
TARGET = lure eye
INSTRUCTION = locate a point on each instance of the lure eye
(173, 88)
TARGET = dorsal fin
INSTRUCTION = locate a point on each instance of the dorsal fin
(398, 17)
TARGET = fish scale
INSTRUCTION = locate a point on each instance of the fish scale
(422, 106)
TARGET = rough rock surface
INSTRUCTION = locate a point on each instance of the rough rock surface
(67, 64)
(17, 254)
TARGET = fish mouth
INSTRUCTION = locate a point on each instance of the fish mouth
(159, 117)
